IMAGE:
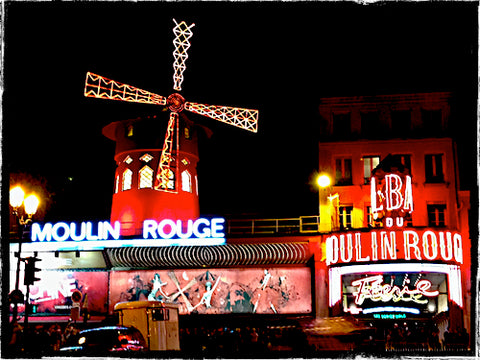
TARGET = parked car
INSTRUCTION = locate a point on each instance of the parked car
(107, 339)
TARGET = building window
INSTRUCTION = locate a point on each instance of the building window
(433, 168)
(406, 161)
(128, 160)
(369, 163)
(436, 215)
(117, 181)
(401, 122)
(127, 180)
(341, 125)
(187, 133)
(145, 178)
(345, 214)
(130, 131)
(186, 181)
(371, 126)
(432, 121)
(171, 180)
(146, 158)
(407, 220)
(343, 171)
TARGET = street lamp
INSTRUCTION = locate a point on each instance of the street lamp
(23, 218)
(323, 182)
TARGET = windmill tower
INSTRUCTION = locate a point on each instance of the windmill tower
(159, 181)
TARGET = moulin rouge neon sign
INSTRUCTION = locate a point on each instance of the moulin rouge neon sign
(166, 229)
(373, 288)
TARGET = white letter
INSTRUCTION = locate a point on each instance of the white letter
(388, 245)
(358, 246)
(373, 196)
(196, 225)
(426, 246)
(390, 190)
(407, 245)
(408, 201)
(332, 249)
(90, 236)
(374, 245)
(82, 232)
(188, 234)
(349, 248)
(108, 229)
(388, 222)
(161, 231)
(217, 225)
(149, 227)
(65, 235)
(457, 245)
(449, 247)
(39, 234)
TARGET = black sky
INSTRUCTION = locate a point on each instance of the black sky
(279, 58)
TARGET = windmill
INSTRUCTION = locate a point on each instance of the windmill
(100, 87)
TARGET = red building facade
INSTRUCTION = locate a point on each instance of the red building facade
(386, 261)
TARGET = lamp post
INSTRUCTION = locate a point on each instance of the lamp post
(323, 182)
(23, 218)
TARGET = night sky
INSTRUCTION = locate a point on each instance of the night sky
(279, 58)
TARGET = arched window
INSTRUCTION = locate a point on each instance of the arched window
(127, 180)
(186, 181)
(145, 177)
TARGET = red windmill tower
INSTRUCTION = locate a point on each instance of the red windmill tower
(155, 181)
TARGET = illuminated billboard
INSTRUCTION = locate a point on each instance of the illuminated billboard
(52, 294)
(279, 290)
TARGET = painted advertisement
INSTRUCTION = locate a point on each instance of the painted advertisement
(284, 290)
(52, 294)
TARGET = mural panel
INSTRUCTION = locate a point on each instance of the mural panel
(279, 290)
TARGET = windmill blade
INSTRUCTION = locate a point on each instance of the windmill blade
(243, 118)
(168, 161)
(102, 88)
(182, 44)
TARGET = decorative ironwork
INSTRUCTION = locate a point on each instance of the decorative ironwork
(167, 161)
(182, 44)
(100, 87)
(215, 256)
(243, 118)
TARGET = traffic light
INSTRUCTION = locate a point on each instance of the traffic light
(30, 270)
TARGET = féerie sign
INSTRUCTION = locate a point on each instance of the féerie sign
(373, 288)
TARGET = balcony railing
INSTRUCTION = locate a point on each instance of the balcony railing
(292, 226)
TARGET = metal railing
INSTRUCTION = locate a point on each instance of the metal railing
(292, 226)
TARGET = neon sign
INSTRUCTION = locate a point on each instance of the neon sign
(373, 288)
(62, 231)
(390, 309)
(200, 228)
(392, 198)
(394, 245)
(88, 236)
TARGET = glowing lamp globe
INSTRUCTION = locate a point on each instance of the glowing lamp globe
(16, 197)
(31, 204)
(323, 181)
